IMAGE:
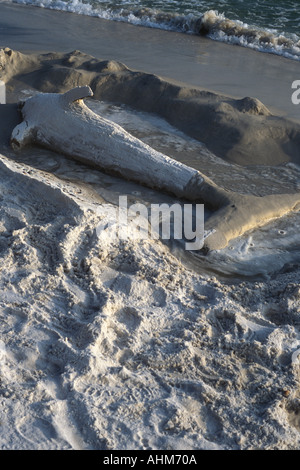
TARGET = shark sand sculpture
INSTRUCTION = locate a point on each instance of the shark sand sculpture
(63, 123)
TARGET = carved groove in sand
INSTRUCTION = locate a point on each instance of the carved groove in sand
(63, 122)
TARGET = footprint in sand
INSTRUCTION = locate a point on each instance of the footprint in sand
(130, 317)
(44, 431)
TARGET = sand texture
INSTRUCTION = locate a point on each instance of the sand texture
(117, 346)
(122, 344)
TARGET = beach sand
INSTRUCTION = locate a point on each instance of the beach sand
(136, 344)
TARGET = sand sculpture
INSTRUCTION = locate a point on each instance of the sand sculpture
(62, 122)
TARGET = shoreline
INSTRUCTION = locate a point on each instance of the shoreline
(186, 59)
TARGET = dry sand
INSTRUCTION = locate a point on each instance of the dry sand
(120, 345)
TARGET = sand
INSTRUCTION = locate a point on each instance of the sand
(108, 344)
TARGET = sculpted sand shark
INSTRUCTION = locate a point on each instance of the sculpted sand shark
(62, 122)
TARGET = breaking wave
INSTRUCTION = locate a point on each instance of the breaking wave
(218, 27)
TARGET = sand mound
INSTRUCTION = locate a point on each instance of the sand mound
(240, 131)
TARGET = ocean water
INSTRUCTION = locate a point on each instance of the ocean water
(263, 25)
